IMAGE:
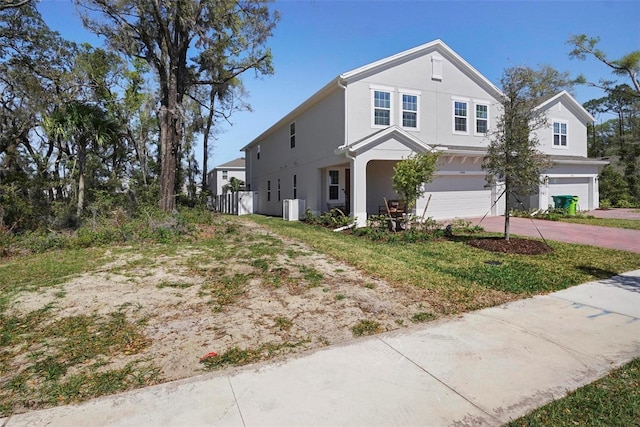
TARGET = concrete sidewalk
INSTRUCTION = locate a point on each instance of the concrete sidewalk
(483, 368)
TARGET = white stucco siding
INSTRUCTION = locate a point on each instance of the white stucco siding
(435, 101)
(318, 132)
(576, 132)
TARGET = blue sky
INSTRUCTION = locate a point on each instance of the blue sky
(316, 40)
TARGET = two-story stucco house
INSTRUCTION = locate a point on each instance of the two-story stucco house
(339, 147)
(221, 175)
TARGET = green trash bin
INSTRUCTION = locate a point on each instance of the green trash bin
(573, 205)
(562, 201)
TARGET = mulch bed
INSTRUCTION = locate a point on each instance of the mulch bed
(511, 246)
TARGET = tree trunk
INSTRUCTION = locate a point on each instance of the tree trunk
(170, 137)
(205, 149)
(507, 208)
(82, 157)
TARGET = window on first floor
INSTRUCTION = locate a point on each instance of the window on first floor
(381, 108)
(559, 134)
(278, 189)
(409, 111)
(295, 186)
(482, 118)
(334, 184)
(268, 191)
(460, 116)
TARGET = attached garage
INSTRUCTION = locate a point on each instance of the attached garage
(573, 187)
(457, 196)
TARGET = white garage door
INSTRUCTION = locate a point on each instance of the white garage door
(570, 186)
(456, 197)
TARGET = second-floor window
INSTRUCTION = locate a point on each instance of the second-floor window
(410, 111)
(225, 174)
(559, 134)
(381, 108)
(460, 116)
(482, 118)
(292, 135)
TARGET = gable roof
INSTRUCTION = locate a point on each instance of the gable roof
(233, 164)
(385, 134)
(343, 79)
(434, 46)
(569, 102)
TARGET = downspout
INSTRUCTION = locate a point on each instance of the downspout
(346, 141)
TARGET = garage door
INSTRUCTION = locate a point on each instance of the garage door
(456, 197)
(570, 186)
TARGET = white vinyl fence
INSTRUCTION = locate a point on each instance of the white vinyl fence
(238, 203)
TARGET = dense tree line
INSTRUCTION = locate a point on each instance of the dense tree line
(618, 137)
(86, 129)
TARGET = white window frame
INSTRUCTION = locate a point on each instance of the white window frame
(391, 92)
(477, 103)
(336, 185)
(466, 101)
(225, 175)
(566, 134)
(402, 110)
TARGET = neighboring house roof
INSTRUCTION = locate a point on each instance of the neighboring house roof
(571, 103)
(340, 81)
(238, 163)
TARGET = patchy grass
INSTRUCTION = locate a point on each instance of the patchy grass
(366, 327)
(457, 275)
(63, 360)
(237, 357)
(631, 224)
(225, 290)
(35, 272)
(611, 401)
(422, 316)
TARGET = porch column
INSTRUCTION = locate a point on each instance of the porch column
(543, 193)
(594, 193)
(359, 190)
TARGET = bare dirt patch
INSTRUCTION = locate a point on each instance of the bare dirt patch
(236, 287)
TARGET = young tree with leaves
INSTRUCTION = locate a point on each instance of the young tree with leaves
(512, 155)
(181, 40)
(411, 174)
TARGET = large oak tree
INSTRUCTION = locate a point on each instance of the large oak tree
(183, 41)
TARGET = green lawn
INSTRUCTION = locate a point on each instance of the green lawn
(631, 224)
(611, 401)
(459, 277)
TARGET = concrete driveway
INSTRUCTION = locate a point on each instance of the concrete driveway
(605, 237)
